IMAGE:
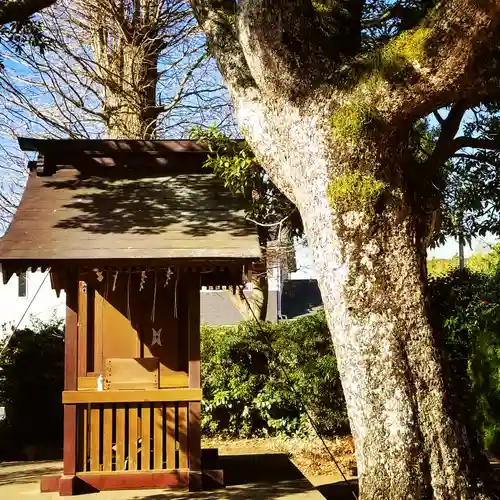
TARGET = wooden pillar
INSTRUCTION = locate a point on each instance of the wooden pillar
(82, 329)
(194, 331)
(194, 433)
(66, 484)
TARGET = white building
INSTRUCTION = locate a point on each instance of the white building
(29, 295)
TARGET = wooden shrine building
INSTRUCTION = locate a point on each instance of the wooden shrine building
(130, 230)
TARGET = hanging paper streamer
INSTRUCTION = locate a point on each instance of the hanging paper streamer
(156, 337)
(154, 302)
(143, 280)
(106, 290)
(100, 276)
(168, 277)
(128, 296)
(115, 278)
(175, 297)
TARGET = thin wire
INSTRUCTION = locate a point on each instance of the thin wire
(290, 383)
(273, 224)
(487, 244)
(24, 314)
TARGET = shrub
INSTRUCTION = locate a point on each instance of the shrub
(31, 382)
(257, 382)
(245, 388)
(485, 263)
(467, 308)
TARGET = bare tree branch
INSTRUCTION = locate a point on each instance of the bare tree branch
(387, 15)
(113, 71)
(438, 117)
(479, 158)
(476, 143)
(448, 144)
(449, 129)
(217, 18)
(116, 73)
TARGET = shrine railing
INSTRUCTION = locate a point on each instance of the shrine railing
(133, 430)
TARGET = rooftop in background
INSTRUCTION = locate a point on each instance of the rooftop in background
(122, 200)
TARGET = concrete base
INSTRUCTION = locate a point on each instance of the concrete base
(209, 478)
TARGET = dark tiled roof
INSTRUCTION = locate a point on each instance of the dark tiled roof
(93, 204)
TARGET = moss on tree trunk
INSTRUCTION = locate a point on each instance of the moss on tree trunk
(407, 444)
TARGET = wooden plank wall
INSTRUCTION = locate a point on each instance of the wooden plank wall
(114, 324)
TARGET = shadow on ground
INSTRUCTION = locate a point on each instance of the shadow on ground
(17, 472)
(263, 477)
(248, 477)
(340, 491)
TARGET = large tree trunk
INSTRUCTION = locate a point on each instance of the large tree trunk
(390, 370)
(331, 122)
(126, 54)
(130, 95)
(370, 260)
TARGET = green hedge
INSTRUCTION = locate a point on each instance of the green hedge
(467, 308)
(246, 392)
(256, 383)
(31, 382)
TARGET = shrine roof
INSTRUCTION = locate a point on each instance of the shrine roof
(125, 200)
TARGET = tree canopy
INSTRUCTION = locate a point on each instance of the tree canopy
(21, 10)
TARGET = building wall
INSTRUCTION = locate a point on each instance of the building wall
(295, 298)
(45, 306)
(218, 309)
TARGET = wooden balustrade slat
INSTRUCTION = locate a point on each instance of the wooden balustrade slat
(120, 437)
(132, 437)
(158, 436)
(83, 427)
(146, 437)
(95, 429)
(170, 438)
(107, 438)
(183, 436)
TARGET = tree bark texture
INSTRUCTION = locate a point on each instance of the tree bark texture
(126, 45)
(366, 209)
(130, 95)
(371, 275)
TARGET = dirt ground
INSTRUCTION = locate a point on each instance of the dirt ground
(308, 455)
